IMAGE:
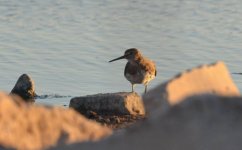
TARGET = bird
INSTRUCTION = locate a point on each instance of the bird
(138, 70)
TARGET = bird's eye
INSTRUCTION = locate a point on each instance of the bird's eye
(129, 53)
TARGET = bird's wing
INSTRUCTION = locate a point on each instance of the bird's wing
(149, 66)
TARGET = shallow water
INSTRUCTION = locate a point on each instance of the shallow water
(65, 46)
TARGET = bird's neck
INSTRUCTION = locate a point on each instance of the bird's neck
(137, 60)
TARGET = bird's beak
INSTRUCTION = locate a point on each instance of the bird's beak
(122, 57)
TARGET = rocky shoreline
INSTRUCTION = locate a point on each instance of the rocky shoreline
(199, 108)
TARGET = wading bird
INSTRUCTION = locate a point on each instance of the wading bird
(138, 70)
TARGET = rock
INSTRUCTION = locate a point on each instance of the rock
(117, 120)
(91, 114)
(109, 104)
(214, 79)
(31, 127)
(201, 122)
(24, 88)
(108, 120)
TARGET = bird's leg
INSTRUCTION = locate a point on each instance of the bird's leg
(132, 88)
(146, 88)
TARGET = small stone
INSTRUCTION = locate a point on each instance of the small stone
(91, 114)
(117, 120)
(107, 120)
(100, 118)
(112, 120)
(133, 117)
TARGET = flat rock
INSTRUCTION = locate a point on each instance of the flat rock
(206, 122)
(30, 127)
(24, 88)
(109, 104)
(214, 79)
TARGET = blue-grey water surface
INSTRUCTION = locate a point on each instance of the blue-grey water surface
(65, 45)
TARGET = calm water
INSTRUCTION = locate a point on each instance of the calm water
(65, 45)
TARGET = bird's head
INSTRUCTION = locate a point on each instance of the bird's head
(129, 54)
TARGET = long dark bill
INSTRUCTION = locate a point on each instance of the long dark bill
(122, 57)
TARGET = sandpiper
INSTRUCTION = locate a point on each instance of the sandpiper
(138, 70)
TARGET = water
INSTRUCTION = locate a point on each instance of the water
(65, 45)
